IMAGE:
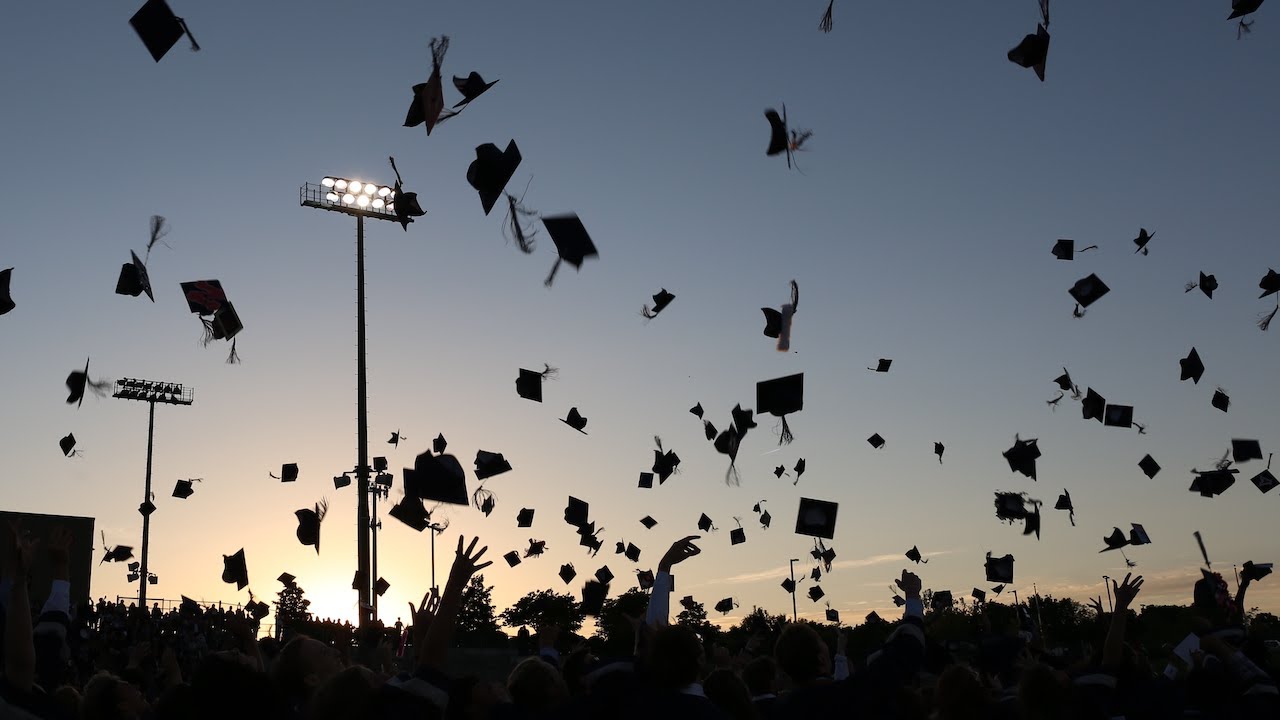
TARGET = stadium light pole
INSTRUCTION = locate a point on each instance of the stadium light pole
(150, 392)
(793, 589)
(360, 200)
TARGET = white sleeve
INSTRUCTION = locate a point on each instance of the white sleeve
(841, 668)
(659, 601)
(59, 598)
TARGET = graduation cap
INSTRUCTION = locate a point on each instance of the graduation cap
(789, 585)
(234, 569)
(536, 548)
(1220, 400)
(381, 586)
(492, 169)
(1138, 535)
(395, 439)
(1264, 480)
(833, 615)
(160, 29)
(257, 610)
(1245, 450)
(471, 87)
(1192, 367)
(512, 558)
(941, 600)
(119, 553)
(632, 552)
(777, 323)
(78, 382)
(1211, 483)
(883, 365)
(765, 517)
(358, 581)
(436, 477)
(779, 471)
(876, 441)
(815, 574)
(483, 500)
(567, 573)
(1066, 249)
(999, 570)
(286, 579)
(979, 595)
(783, 139)
(799, 470)
(738, 535)
(914, 555)
(573, 244)
(341, 481)
(648, 522)
(428, 97)
(1206, 283)
(1270, 284)
(660, 301)
(816, 518)
(575, 420)
(1022, 456)
(704, 523)
(309, 520)
(288, 473)
(524, 518)
(489, 464)
(404, 204)
(1094, 406)
(938, 449)
(1149, 466)
(575, 513)
(1086, 292)
(207, 299)
(644, 578)
(727, 443)
(665, 463)
(146, 508)
(1115, 540)
(183, 489)
(816, 593)
(726, 606)
(646, 480)
(1142, 240)
(6, 299)
(1118, 416)
(593, 597)
(1251, 571)
(133, 280)
(781, 397)
(1065, 383)
(604, 575)
(68, 445)
(529, 384)
(1064, 503)
(1033, 51)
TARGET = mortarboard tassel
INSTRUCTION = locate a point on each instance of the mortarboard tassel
(1264, 321)
(195, 46)
(1091, 247)
(207, 337)
(1053, 404)
(786, 436)
(1190, 286)
(825, 25)
(523, 237)
(551, 277)
(1078, 312)
(159, 228)
(233, 357)
(1244, 28)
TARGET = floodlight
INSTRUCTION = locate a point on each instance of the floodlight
(348, 198)
(332, 197)
(370, 188)
(362, 201)
(327, 182)
(340, 184)
(384, 191)
(378, 204)
(355, 186)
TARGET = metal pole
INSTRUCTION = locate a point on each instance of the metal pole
(433, 555)
(793, 591)
(362, 437)
(1106, 583)
(373, 533)
(146, 519)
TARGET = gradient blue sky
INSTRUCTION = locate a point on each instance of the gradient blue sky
(939, 177)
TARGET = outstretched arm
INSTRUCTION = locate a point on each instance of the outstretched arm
(19, 645)
(440, 633)
(659, 610)
(1125, 592)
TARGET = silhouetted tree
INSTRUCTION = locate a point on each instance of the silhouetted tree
(696, 620)
(1265, 625)
(544, 607)
(613, 628)
(291, 609)
(477, 624)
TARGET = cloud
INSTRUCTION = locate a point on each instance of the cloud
(783, 571)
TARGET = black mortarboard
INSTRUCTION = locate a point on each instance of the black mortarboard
(780, 471)
(288, 473)
(1211, 483)
(1094, 406)
(133, 280)
(1011, 506)
(183, 489)
(1245, 450)
(492, 169)
(286, 579)
(997, 589)
(567, 573)
(1087, 291)
(979, 595)
(119, 553)
(697, 410)
(1254, 571)
(777, 324)
(1142, 240)
(1032, 524)
(725, 606)
(632, 553)
(815, 574)
(146, 508)
(1066, 249)
(404, 204)
(780, 397)
(428, 97)
(1192, 367)
(381, 587)
(529, 384)
(914, 555)
(593, 597)
(782, 138)
(411, 512)
(999, 570)
(833, 615)
(1033, 51)
(512, 558)
(572, 242)
(704, 523)
(1206, 283)
(665, 462)
(941, 600)
(536, 548)
(1064, 503)
(257, 610)
(436, 477)
(159, 28)
(1022, 457)
(604, 575)
(394, 439)
(483, 500)
(78, 383)
(1270, 283)
(816, 593)
(439, 444)
(1264, 480)
(644, 578)
(358, 581)
(68, 444)
(789, 585)
(309, 520)
(1118, 416)
(883, 365)
(737, 536)
(489, 464)
(1064, 382)
(575, 513)
(1220, 400)
(648, 522)
(204, 297)
(660, 301)
(524, 518)
(646, 480)
(234, 569)
(1138, 535)
(816, 518)
(765, 519)
(1240, 8)
(471, 87)
(799, 470)
(876, 441)
(6, 300)
(575, 420)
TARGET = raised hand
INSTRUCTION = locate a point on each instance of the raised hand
(422, 616)
(680, 551)
(1126, 591)
(909, 584)
(464, 563)
(1096, 604)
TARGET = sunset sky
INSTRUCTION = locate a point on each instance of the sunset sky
(938, 178)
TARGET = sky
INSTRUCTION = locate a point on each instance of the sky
(918, 228)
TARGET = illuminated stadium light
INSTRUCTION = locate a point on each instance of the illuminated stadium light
(355, 186)
(378, 204)
(327, 182)
(331, 197)
(340, 184)
(348, 198)
(363, 201)
(384, 191)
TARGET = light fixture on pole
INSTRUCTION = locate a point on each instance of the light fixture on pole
(793, 589)
(361, 200)
(1106, 583)
(436, 529)
(150, 392)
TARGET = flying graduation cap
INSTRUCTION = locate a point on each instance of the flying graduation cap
(288, 473)
(1192, 367)
(221, 322)
(6, 299)
(1206, 283)
(660, 300)
(665, 462)
(1241, 8)
(573, 244)
(1022, 456)
(883, 365)
(999, 570)
(816, 518)
(489, 464)
(1033, 51)
(783, 139)
(309, 520)
(1011, 507)
(777, 323)
(78, 382)
(160, 29)
(183, 488)
(405, 204)
(575, 420)
(1270, 284)
(234, 569)
(1086, 292)
(68, 445)
(492, 169)
(1141, 241)
(1064, 503)
(1066, 249)
(118, 553)
(938, 449)
(471, 87)
(1221, 400)
(1264, 480)
(428, 97)
(436, 477)
(133, 280)
(524, 518)
(914, 555)
(781, 397)
(529, 383)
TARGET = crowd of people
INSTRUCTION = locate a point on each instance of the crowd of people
(116, 662)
